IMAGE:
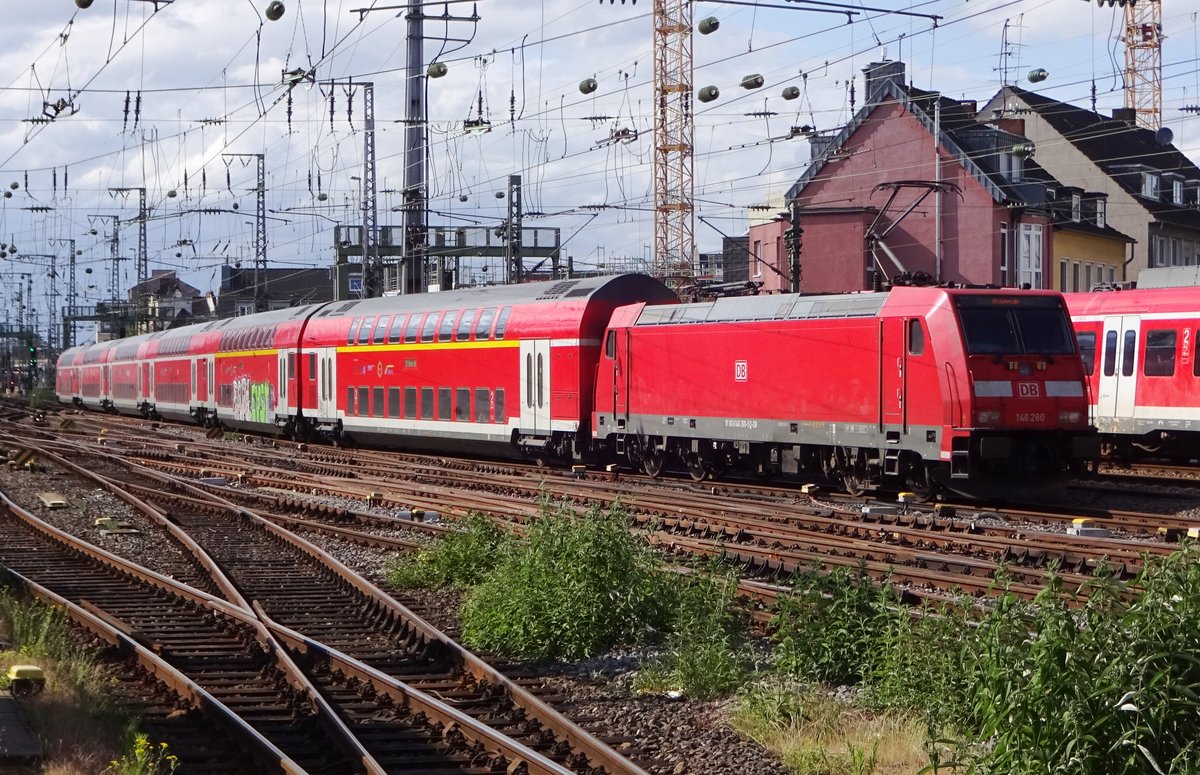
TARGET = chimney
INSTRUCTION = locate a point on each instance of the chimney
(1015, 126)
(878, 76)
(1127, 115)
(969, 106)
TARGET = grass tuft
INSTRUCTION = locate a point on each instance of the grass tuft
(461, 558)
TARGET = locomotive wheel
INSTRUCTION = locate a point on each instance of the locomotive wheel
(696, 468)
(652, 463)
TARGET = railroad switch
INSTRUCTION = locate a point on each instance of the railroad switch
(25, 680)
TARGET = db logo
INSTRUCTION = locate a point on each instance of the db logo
(1029, 390)
(740, 371)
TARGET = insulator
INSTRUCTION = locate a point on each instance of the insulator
(1038, 75)
(791, 92)
(275, 10)
(708, 25)
(437, 69)
(752, 81)
(587, 85)
(708, 94)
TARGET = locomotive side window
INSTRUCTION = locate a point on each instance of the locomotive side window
(483, 328)
(916, 337)
(1110, 353)
(397, 329)
(430, 327)
(380, 331)
(1160, 353)
(426, 403)
(502, 322)
(446, 332)
(610, 345)
(1087, 351)
(444, 403)
(410, 331)
(464, 325)
(481, 404)
(364, 333)
(353, 330)
(1128, 351)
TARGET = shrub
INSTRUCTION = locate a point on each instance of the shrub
(703, 657)
(576, 587)
(461, 558)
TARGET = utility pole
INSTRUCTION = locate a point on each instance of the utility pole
(514, 262)
(68, 321)
(415, 151)
(260, 230)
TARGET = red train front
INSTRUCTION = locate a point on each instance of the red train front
(971, 390)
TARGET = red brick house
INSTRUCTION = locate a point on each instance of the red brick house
(915, 184)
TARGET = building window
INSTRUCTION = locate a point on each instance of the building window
(1177, 192)
(1063, 263)
(1030, 256)
(245, 309)
(1150, 185)
(756, 258)
(1075, 276)
(1005, 255)
(1101, 219)
(1076, 207)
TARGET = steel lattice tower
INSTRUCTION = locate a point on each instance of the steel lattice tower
(674, 219)
(1143, 62)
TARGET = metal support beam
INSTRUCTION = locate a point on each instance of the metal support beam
(515, 262)
(260, 229)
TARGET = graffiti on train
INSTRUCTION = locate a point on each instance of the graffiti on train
(252, 401)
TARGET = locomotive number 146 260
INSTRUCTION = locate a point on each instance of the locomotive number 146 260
(1031, 417)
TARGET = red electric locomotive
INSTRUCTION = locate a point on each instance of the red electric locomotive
(972, 390)
(1144, 378)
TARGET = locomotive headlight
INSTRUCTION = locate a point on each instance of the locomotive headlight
(1070, 417)
(988, 417)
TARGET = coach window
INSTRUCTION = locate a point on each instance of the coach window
(1087, 351)
(483, 327)
(446, 332)
(353, 330)
(364, 398)
(430, 327)
(498, 406)
(364, 332)
(481, 404)
(397, 329)
(1128, 353)
(444, 408)
(377, 402)
(540, 382)
(349, 401)
(312, 367)
(529, 379)
(916, 337)
(291, 372)
(1160, 353)
(464, 325)
(1110, 353)
(410, 403)
(462, 405)
(380, 331)
(414, 325)
(502, 322)
(426, 403)
(393, 402)
(610, 345)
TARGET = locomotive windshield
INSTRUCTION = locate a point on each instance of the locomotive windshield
(1013, 325)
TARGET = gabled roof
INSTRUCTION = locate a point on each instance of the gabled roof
(1108, 142)
(957, 120)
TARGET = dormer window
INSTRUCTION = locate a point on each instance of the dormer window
(1177, 191)
(1101, 206)
(1076, 207)
(1150, 185)
(1012, 167)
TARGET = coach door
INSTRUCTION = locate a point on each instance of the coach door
(281, 403)
(535, 386)
(1118, 368)
(326, 382)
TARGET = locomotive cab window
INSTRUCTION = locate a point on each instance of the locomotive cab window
(1160, 353)
(916, 337)
(1004, 325)
(610, 345)
(1087, 351)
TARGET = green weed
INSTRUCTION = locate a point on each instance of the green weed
(461, 558)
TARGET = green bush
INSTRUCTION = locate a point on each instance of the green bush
(461, 558)
(704, 656)
(576, 587)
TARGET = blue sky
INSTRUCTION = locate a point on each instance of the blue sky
(197, 63)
